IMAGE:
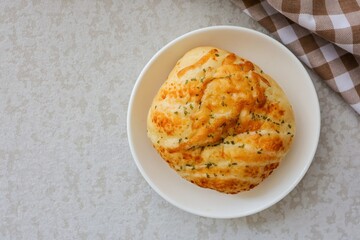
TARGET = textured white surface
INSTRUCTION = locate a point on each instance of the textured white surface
(66, 172)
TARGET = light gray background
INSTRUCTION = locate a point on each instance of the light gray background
(66, 73)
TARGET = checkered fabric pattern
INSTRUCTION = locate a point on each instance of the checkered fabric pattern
(323, 34)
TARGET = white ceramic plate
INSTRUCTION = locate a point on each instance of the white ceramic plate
(277, 61)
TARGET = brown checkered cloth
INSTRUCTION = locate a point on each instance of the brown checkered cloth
(323, 34)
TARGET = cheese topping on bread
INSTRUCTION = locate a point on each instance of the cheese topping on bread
(220, 121)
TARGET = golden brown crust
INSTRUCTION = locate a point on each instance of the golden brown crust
(220, 122)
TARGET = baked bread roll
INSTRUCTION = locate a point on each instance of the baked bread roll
(220, 122)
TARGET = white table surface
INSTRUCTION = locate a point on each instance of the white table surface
(66, 172)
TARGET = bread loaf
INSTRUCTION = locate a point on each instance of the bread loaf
(220, 121)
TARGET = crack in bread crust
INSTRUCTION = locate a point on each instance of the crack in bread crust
(220, 121)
